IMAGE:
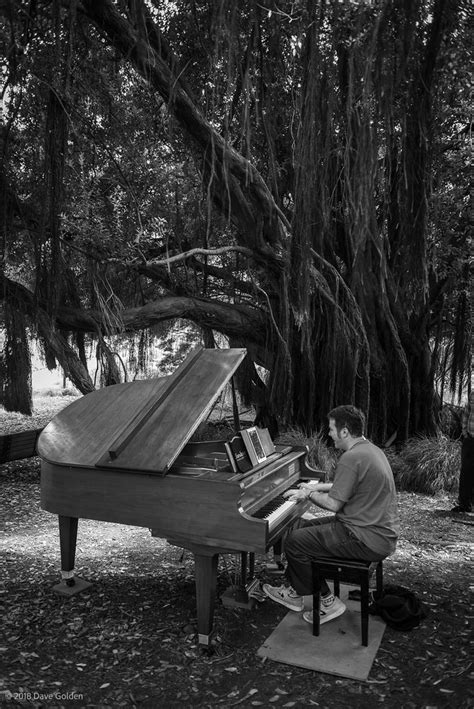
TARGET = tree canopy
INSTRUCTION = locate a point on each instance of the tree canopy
(292, 176)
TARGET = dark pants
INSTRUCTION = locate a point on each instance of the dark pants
(325, 536)
(466, 477)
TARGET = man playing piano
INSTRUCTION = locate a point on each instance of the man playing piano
(365, 524)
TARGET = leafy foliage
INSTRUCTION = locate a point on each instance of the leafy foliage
(284, 175)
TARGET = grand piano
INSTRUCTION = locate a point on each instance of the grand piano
(124, 454)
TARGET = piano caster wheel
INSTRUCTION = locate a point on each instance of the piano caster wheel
(70, 582)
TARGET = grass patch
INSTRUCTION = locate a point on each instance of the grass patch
(67, 391)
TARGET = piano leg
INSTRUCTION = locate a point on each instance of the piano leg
(243, 568)
(206, 581)
(70, 584)
(68, 539)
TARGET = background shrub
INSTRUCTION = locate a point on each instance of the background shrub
(427, 465)
(320, 455)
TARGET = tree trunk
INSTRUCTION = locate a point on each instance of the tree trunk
(73, 368)
(110, 372)
(55, 341)
(17, 389)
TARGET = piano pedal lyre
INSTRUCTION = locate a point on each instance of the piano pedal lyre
(275, 568)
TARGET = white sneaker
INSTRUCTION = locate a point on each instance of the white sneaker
(285, 595)
(328, 610)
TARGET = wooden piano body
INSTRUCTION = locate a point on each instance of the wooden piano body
(122, 454)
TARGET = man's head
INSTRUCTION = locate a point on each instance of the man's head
(345, 424)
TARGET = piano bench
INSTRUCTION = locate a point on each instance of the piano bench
(16, 446)
(353, 571)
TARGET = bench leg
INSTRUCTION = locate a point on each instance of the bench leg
(379, 577)
(316, 599)
(364, 608)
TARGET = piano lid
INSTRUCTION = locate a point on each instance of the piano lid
(140, 426)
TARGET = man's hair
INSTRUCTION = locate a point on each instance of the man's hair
(348, 417)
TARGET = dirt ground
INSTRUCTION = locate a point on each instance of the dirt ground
(129, 640)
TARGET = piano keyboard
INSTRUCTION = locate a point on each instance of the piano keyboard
(277, 509)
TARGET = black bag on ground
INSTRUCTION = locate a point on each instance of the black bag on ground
(398, 607)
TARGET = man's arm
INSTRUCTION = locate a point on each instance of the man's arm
(314, 494)
(316, 487)
(322, 499)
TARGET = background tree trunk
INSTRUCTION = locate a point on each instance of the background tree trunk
(17, 391)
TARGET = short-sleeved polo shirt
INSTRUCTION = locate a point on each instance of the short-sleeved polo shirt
(364, 482)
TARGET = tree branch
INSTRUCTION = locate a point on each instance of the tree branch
(232, 320)
(192, 252)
